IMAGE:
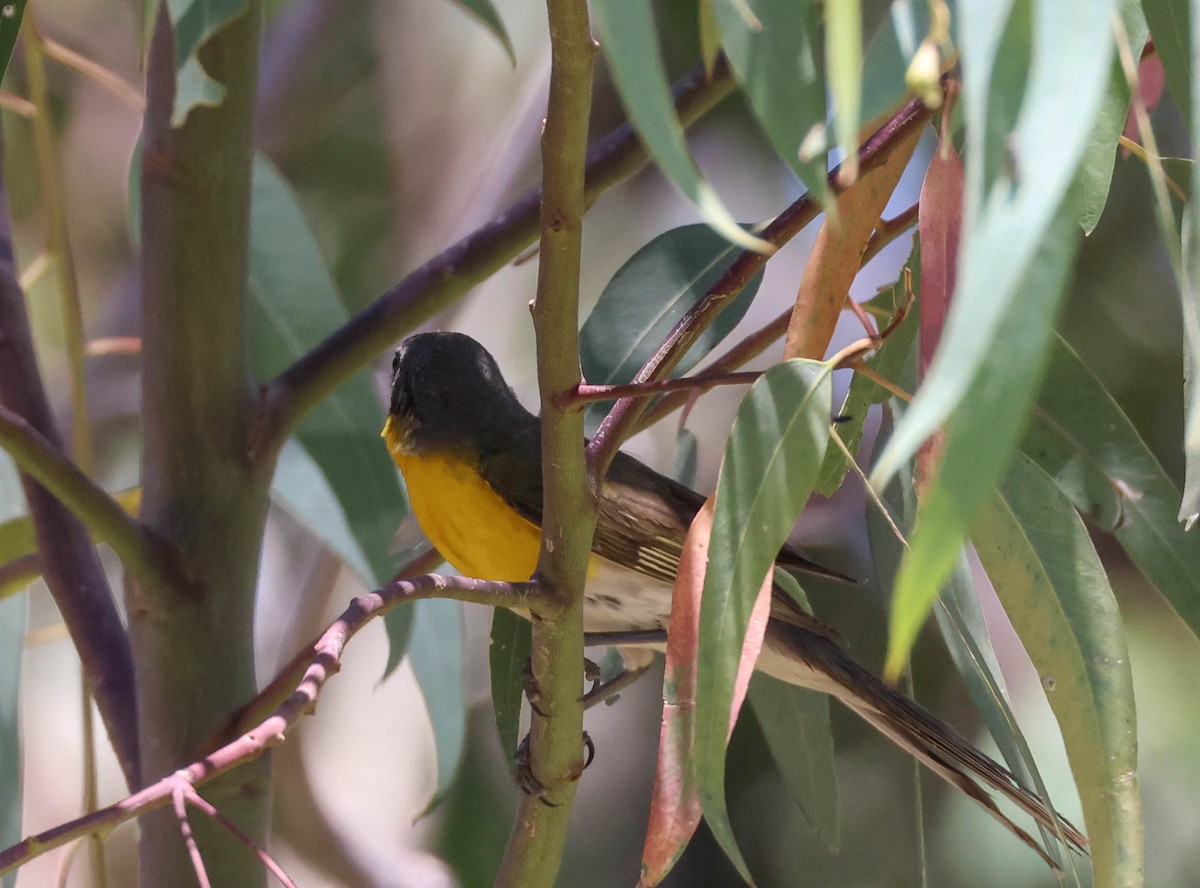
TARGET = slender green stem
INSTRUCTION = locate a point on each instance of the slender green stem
(536, 843)
(58, 248)
(58, 242)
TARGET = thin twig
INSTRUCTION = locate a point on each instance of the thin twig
(18, 105)
(584, 394)
(34, 271)
(95, 72)
(58, 242)
(179, 802)
(113, 345)
(872, 493)
(1139, 151)
(206, 807)
(325, 662)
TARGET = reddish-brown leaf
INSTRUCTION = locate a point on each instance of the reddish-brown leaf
(837, 255)
(675, 802)
(1151, 80)
(940, 225)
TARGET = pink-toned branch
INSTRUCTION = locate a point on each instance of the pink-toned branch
(325, 662)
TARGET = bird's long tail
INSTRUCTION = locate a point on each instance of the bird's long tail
(805, 658)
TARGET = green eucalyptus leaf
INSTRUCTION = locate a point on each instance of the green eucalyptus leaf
(508, 657)
(776, 52)
(772, 457)
(1081, 437)
(629, 41)
(1040, 559)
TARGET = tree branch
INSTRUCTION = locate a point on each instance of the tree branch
(139, 550)
(626, 413)
(451, 273)
(325, 662)
(535, 845)
(70, 566)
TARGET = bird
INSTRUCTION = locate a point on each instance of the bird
(470, 454)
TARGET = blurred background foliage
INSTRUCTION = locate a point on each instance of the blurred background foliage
(401, 127)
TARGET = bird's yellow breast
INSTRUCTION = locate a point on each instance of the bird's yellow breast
(468, 522)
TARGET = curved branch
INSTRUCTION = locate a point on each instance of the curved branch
(71, 568)
(451, 273)
(324, 663)
(139, 550)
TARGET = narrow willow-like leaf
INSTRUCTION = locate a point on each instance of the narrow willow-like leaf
(777, 55)
(628, 39)
(1041, 561)
(771, 461)
(12, 645)
(486, 13)
(675, 803)
(18, 539)
(960, 620)
(844, 63)
(1011, 217)
(507, 656)
(687, 455)
(1096, 168)
(1190, 295)
(981, 435)
(795, 723)
(1080, 436)
(891, 42)
(301, 489)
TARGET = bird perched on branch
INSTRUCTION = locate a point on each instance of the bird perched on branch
(471, 458)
